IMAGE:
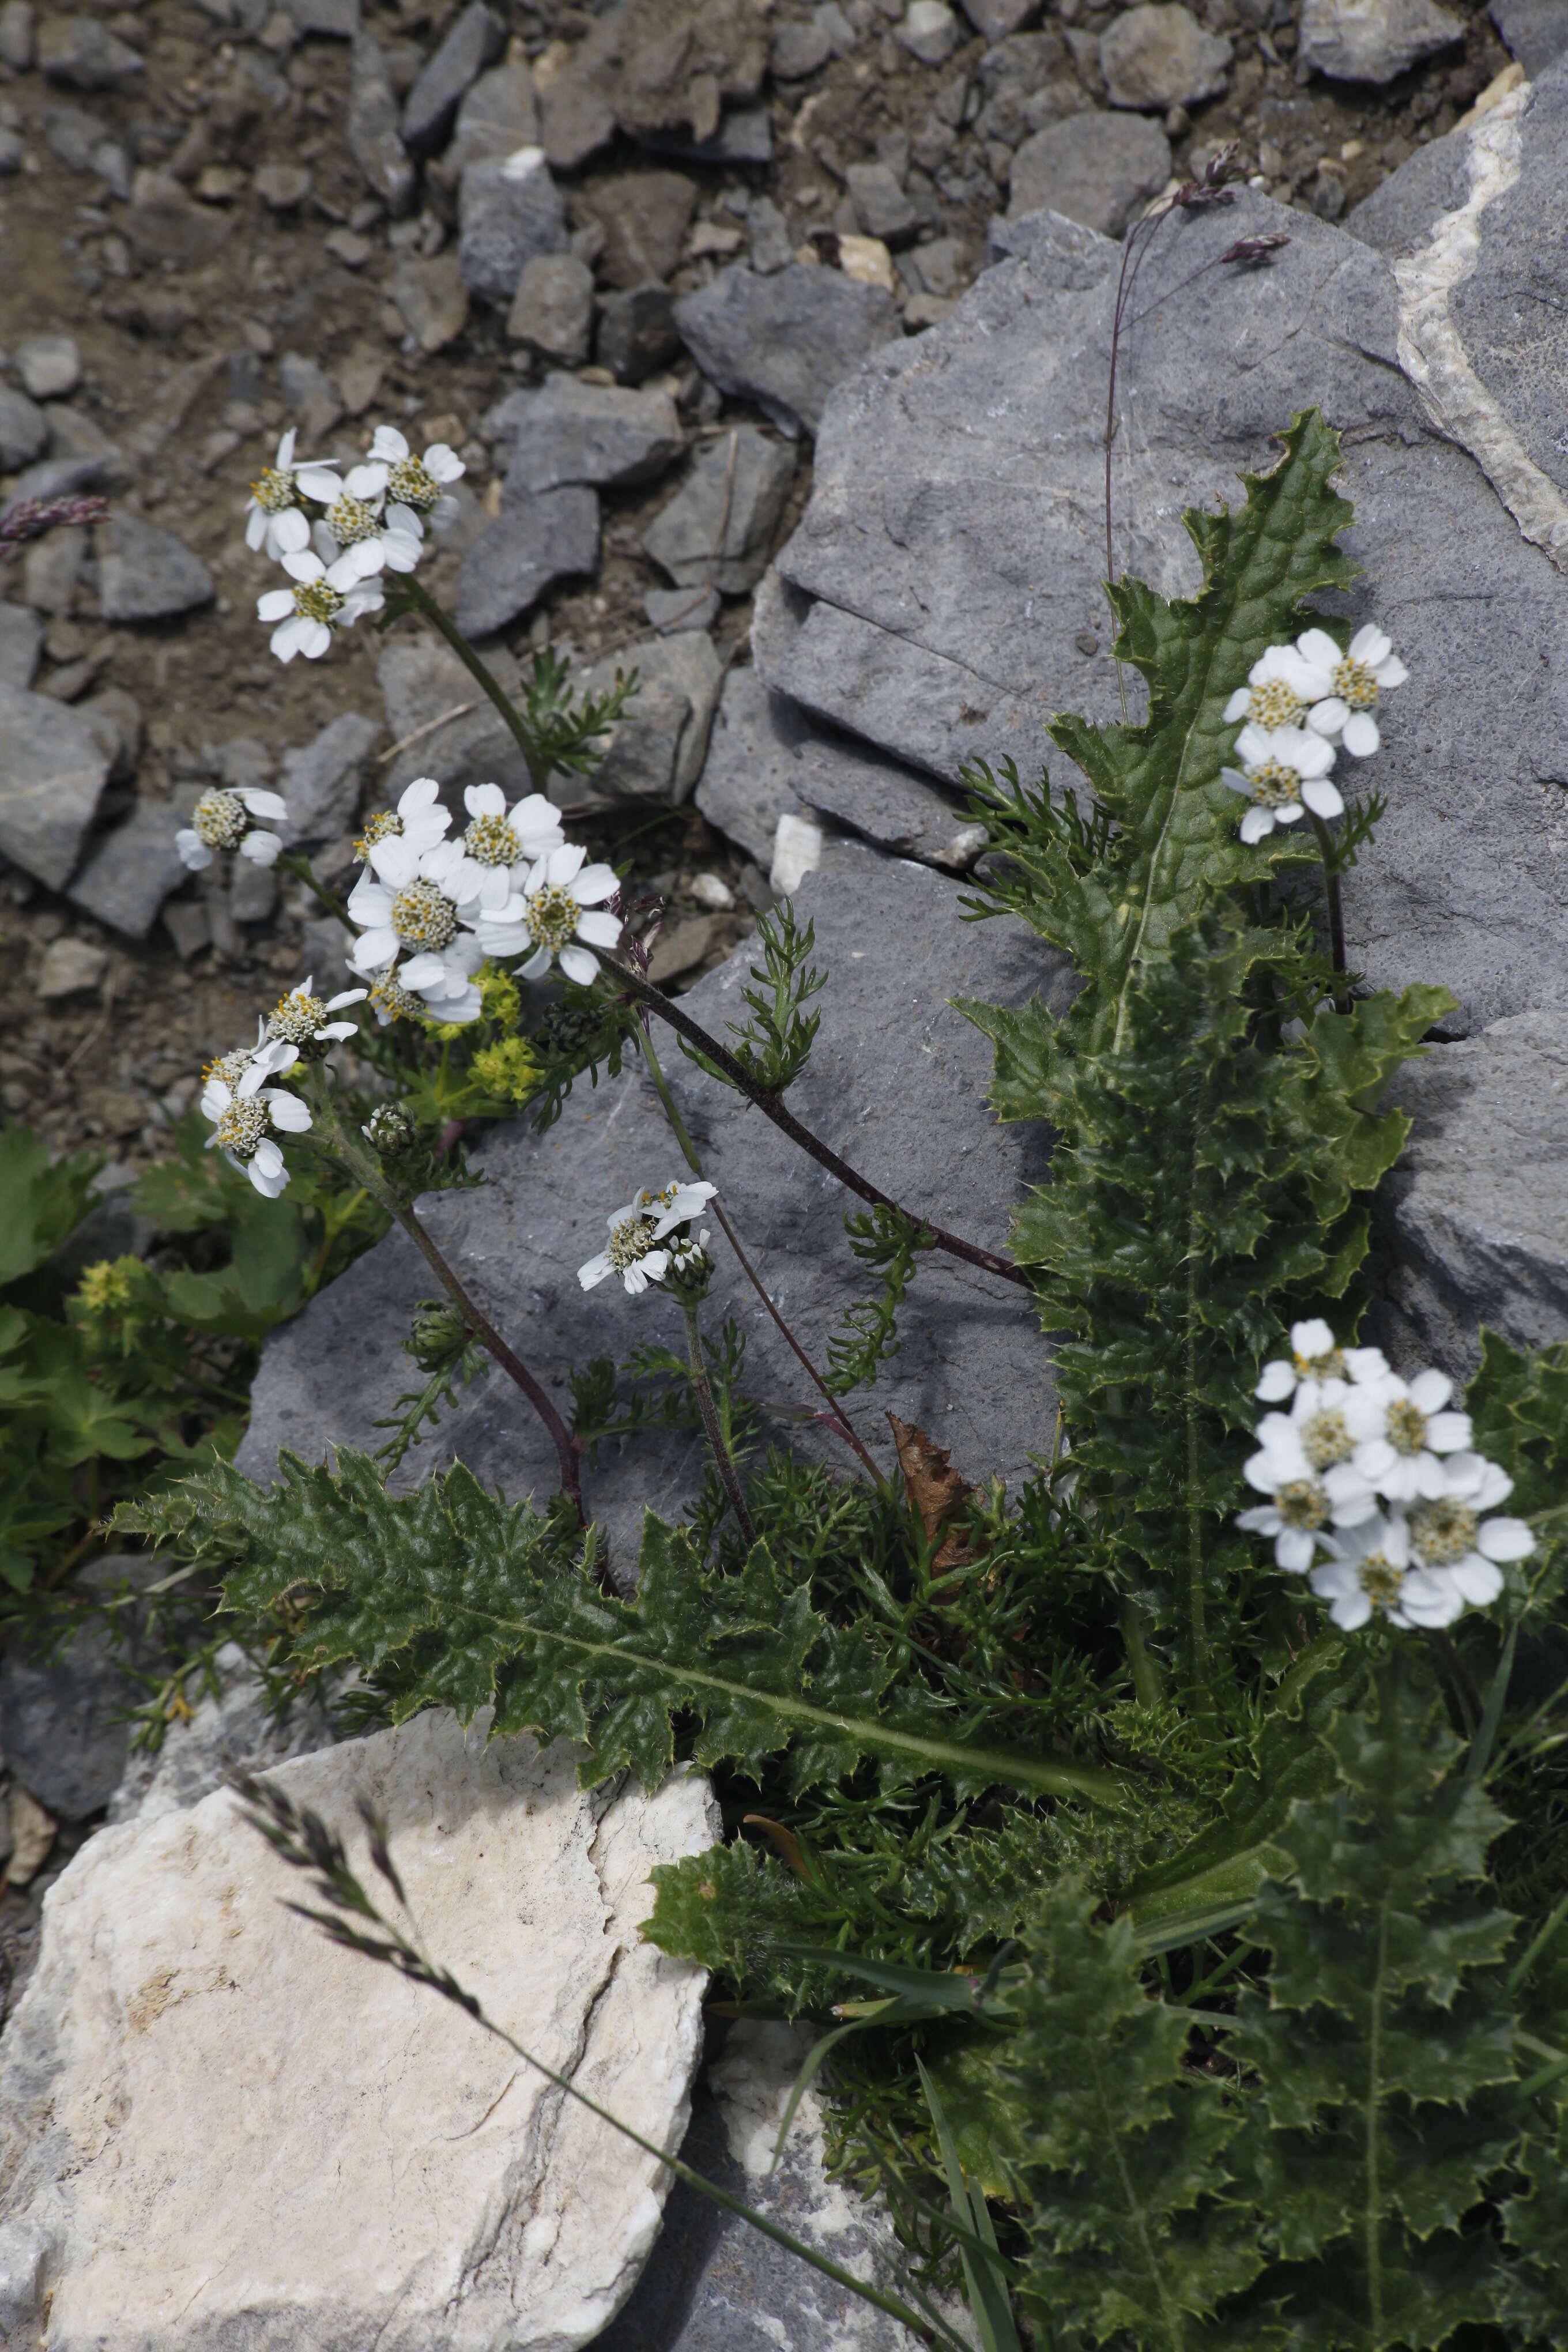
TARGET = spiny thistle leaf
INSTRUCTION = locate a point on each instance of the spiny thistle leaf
(456, 1598)
(1385, 2037)
(1124, 2171)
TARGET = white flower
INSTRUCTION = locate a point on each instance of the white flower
(298, 1023)
(1456, 1546)
(446, 981)
(323, 598)
(1372, 1568)
(1283, 773)
(411, 481)
(390, 1001)
(244, 1119)
(359, 516)
(559, 906)
(276, 519)
(497, 843)
(1281, 687)
(419, 819)
(639, 1233)
(1351, 684)
(1304, 1465)
(222, 820)
(1315, 1355)
(1401, 1459)
(404, 902)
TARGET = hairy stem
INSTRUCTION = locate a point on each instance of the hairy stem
(363, 1165)
(786, 1121)
(423, 601)
(295, 862)
(710, 1411)
(1336, 913)
(838, 1419)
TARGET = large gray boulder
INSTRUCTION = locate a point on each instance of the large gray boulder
(896, 1081)
(943, 595)
(54, 765)
(784, 341)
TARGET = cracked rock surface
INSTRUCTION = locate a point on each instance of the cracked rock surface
(378, 2170)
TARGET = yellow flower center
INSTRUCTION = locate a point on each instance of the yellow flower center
(228, 1067)
(221, 820)
(380, 827)
(422, 917)
(1353, 683)
(1329, 1367)
(490, 841)
(1302, 1503)
(1275, 704)
(1443, 1532)
(242, 1127)
(550, 917)
(350, 519)
(275, 493)
(1325, 1438)
(1380, 1580)
(296, 1018)
(409, 484)
(395, 1002)
(630, 1240)
(315, 601)
(1274, 786)
(1406, 1427)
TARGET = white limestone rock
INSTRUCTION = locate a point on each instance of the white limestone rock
(217, 2130)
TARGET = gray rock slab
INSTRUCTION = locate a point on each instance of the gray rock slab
(21, 644)
(432, 300)
(83, 54)
(749, 779)
(499, 115)
(576, 114)
(715, 2285)
(897, 1079)
(59, 1727)
(125, 876)
(932, 599)
(1534, 31)
(322, 780)
(638, 334)
(656, 749)
(475, 41)
(670, 609)
(23, 430)
(881, 206)
(53, 768)
(146, 573)
(644, 216)
(799, 48)
(601, 434)
(1474, 1220)
(1351, 41)
(423, 685)
(900, 811)
(719, 525)
(539, 537)
(786, 339)
(510, 212)
(1099, 169)
(1399, 216)
(375, 132)
(552, 309)
(164, 224)
(1158, 55)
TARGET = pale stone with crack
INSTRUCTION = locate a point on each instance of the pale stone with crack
(217, 2125)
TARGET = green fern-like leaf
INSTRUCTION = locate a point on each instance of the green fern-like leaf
(453, 1598)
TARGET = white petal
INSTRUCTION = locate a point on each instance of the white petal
(276, 604)
(346, 996)
(290, 1113)
(1363, 1364)
(443, 464)
(338, 1029)
(462, 1010)
(1361, 737)
(261, 848)
(1449, 1432)
(1317, 646)
(1327, 718)
(1477, 1580)
(1291, 814)
(389, 445)
(561, 865)
(304, 565)
(1256, 824)
(320, 481)
(1255, 743)
(271, 805)
(1236, 708)
(1390, 672)
(290, 531)
(290, 636)
(365, 482)
(269, 1183)
(484, 800)
(1237, 781)
(395, 861)
(255, 526)
(597, 928)
(1322, 797)
(1294, 1550)
(1430, 1390)
(375, 949)
(1278, 1380)
(595, 884)
(193, 849)
(580, 966)
(537, 965)
(1504, 1540)
(423, 972)
(1370, 646)
(422, 794)
(595, 1272)
(267, 1157)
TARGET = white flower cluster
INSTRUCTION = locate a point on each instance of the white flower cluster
(510, 885)
(223, 819)
(1300, 703)
(370, 520)
(1378, 1473)
(248, 1115)
(651, 1238)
